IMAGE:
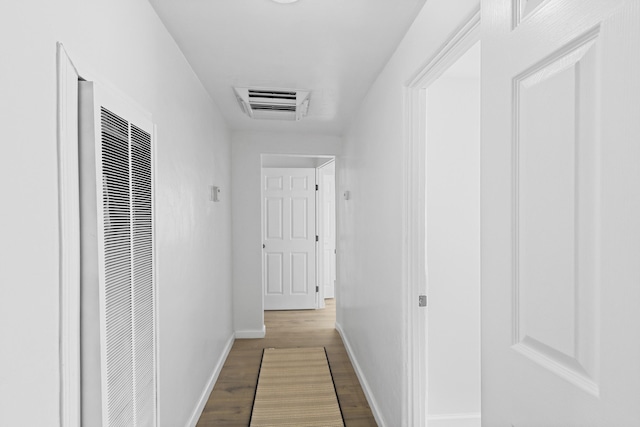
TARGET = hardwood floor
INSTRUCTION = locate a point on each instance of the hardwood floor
(232, 397)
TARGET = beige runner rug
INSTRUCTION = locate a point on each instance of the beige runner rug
(295, 388)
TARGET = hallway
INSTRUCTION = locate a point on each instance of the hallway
(549, 192)
(231, 399)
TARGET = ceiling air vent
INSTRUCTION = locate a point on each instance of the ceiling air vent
(273, 104)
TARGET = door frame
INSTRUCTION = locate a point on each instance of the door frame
(414, 211)
(69, 72)
(68, 239)
(320, 201)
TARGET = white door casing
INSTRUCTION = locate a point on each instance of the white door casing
(560, 213)
(328, 230)
(414, 224)
(289, 238)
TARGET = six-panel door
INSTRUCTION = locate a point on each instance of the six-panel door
(289, 238)
(560, 213)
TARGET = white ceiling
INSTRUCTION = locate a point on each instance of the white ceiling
(335, 48)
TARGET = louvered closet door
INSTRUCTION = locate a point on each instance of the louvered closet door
(124, 196)
(117, 339)
(143, 289)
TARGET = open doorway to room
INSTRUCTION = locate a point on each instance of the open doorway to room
(327, 231)
(452, 207)
(298, 231)
(442, 258)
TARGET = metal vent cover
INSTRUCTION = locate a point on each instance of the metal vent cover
(273, 104)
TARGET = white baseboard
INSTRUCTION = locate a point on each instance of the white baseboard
(197, 412)
(329, 292)
(363, 381)
(454, 420)
(249, 334)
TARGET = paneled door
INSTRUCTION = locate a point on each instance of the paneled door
(289, 238)
(560, 213)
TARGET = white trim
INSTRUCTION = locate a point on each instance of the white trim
(375, 410)
(86, 72)
(451, 50)
(455, 420)
(320, 202)
(339, 200)
(156, 300)
(414, 256)
(463, 416)
(251, 334)
(414, 266)
(319, 246)
(204, 397)
(69, 240)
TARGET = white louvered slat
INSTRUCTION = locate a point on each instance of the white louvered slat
(116, 204)
(143, 289)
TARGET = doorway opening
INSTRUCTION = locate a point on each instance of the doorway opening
(452, 230)
(442, 229)
(298, 231)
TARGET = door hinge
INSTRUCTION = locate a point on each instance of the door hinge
(317, 288)
(316, 187)
(422, 300)
(317, 238)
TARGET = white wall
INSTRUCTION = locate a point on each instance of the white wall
(125, 42)
(453, 239)
(370, 309)
(275, 161)
(245, 198)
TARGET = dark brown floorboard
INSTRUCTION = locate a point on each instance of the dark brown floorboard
(232, 397)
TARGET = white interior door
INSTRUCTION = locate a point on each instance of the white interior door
(289, 238)
(560, 209)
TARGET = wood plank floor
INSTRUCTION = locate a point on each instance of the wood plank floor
(232, 397)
